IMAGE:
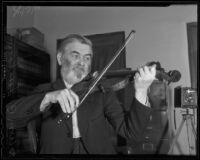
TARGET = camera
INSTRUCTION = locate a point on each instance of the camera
(185, 97)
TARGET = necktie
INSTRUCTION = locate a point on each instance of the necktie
(76, 133)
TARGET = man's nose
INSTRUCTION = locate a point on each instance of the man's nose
(81, 60)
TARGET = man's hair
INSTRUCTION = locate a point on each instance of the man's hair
(72, 38)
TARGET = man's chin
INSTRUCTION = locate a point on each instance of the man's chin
(75, 77)
(80, 75)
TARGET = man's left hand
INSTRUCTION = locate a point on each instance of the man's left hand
(142, 81)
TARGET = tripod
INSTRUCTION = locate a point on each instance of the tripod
(187, 117)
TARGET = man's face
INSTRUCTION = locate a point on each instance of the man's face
(75, 62)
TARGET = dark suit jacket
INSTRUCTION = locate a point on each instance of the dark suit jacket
(93, 115)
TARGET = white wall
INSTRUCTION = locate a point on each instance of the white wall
(160, 36)
(19, 17)
(160, 32)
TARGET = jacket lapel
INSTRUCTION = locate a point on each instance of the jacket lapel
(83, 114)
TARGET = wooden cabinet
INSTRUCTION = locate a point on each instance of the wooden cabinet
(24, 67)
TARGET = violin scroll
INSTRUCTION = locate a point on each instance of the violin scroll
(171, 76)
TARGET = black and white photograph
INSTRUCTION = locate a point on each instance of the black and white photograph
(99, 79)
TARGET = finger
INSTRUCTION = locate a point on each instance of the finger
(141, 71)
(146, 70)
(137, 76)
(62, 105)
(76, 98)
(153, 69)
(51, 97)
(70, 100)
(65, 96)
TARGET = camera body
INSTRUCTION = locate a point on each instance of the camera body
(185, 97)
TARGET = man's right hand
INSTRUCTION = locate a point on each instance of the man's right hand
(67, 99)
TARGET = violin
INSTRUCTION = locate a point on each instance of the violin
(123, 77)
(95, 84)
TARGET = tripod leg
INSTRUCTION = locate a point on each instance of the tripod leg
(193, 129)
(194, 133)
(189, 124)
(176, 136)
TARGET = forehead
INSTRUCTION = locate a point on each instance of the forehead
(78, 47)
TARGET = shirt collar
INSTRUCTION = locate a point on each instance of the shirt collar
(67, 85)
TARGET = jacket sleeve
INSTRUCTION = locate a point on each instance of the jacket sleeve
(20, 111)
(131, 124)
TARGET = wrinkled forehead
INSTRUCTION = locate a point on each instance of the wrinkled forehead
(76, 46)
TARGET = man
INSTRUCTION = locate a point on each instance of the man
(85, 132)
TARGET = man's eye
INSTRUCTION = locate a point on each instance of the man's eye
(75, 55)
(88, 58)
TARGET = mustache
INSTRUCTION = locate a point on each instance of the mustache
(80, 68)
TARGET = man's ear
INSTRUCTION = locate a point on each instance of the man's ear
(59, 56)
